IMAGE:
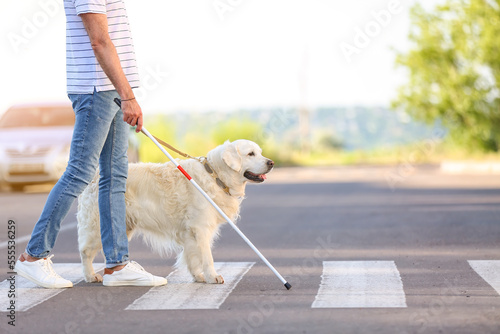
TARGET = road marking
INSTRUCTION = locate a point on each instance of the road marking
(350, 284)
(28, 294)
(489, 271)
(181, 293)
(24, 238)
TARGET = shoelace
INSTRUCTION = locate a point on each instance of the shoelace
(47, 266)
(137, 266)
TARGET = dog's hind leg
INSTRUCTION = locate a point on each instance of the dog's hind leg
(89, 231)
(89, 243)
(87, 256)
(88, 250)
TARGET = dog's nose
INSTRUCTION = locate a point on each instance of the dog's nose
(270, 163)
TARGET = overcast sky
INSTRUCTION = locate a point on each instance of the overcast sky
(227, 54)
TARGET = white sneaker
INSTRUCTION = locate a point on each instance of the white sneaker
(41, 273)
(132, 274)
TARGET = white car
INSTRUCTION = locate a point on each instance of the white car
(35, 142)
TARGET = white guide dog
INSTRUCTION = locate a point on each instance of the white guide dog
(170, 213)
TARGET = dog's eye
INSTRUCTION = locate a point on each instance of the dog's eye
(251, 154)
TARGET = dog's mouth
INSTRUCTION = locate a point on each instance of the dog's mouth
(255, 177)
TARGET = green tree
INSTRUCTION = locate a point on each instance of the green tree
(454, 71)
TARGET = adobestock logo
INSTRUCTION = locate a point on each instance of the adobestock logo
(224, 6)
(373, 28)
(150, 81)
(31, 26)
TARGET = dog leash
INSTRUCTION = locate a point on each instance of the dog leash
(170, 147)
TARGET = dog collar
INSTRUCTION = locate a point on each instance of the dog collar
(214, 175)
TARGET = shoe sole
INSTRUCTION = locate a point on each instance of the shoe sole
(132, 283)
(20, 272)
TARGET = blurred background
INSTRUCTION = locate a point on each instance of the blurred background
(314, 82)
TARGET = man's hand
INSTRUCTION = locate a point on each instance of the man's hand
(132, 114)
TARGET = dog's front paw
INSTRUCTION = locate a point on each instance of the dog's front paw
(217, 279)
(200, 278)
(95, 278)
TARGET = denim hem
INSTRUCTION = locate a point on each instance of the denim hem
(36, 256)
(114, 264)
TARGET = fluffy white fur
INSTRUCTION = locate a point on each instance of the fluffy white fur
(170, 213)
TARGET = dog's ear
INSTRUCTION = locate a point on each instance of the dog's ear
(231, 156)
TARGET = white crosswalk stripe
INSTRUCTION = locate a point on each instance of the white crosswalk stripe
(182, 293)
(28, 294)
(360, 284)
(489, 270)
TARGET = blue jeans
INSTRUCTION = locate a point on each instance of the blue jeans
(100, 137)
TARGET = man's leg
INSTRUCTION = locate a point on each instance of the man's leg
(113, 167)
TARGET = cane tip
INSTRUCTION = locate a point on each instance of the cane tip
(288, 286)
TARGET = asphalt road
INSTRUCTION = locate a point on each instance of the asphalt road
(429, 224)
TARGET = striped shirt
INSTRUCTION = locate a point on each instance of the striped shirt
(83, 71)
